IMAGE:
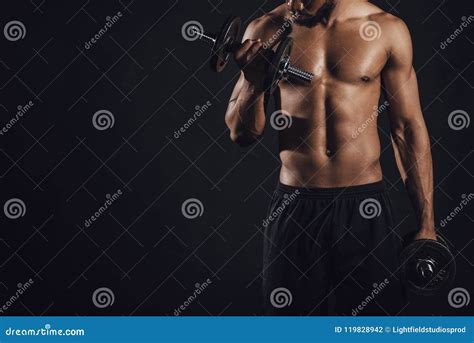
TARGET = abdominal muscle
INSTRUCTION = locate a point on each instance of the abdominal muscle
(333, 139)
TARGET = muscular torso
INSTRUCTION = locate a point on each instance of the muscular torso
(333, 140)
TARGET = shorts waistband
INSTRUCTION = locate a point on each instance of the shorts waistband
(336, 192)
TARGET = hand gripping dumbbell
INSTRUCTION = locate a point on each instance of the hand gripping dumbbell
(427, 266)
(227, 41)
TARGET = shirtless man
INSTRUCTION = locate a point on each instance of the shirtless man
(335, 233)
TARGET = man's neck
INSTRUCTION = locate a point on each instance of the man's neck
(328, 11)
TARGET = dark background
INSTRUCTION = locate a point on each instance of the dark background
(151, 79)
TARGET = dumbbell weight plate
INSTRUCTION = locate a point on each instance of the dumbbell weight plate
(279, 63)
(444, 269)
(220, 51)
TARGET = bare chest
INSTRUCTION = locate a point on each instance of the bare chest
(339, 53)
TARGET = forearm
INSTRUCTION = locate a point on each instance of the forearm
(245, 115)
(414, 153)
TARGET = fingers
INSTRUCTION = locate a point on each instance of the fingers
(295, 5)
(248, 51)
(254, 49)
(247, 44)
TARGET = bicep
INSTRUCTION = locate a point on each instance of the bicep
(400, 82)
(401, 90)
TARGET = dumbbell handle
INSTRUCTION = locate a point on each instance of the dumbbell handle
(299, 73)
(211, 38)
(205, 36)
(233, 46)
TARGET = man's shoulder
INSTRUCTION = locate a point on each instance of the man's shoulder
(390, 25)
(378, 26)
(391, 30)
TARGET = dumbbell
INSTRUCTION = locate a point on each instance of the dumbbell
(226, 42)
(427, 266)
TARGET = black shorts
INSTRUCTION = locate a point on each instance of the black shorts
(331, 251)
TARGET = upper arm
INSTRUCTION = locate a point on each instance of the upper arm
(399, 78)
